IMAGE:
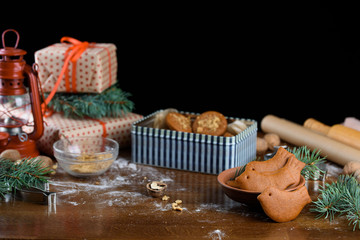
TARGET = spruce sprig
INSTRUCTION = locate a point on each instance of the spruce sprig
(341, 197)
(312, 159)
(113, 102)
(26, 173)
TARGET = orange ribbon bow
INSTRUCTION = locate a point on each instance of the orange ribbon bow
(72, 54)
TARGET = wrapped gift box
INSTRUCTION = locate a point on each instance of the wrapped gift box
(191, 151)
(57, 125)
(96, 69)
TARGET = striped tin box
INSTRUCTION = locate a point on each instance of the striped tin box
(191, 151)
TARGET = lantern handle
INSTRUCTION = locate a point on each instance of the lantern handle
(17, 37)
(35, 68)
(35, 103)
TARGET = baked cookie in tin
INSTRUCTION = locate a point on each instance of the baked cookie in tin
(211, 123)
(178, 122)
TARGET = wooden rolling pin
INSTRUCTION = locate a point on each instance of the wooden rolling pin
(298, 135)
(337, 132)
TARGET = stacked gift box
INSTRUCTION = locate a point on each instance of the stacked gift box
(95, 71)
(58, 126)
(75, 67)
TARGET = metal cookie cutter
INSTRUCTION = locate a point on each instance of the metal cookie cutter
(270, 155)
(36, 195)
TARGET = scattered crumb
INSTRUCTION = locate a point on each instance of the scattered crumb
(53, 170)
(165, 198)
(176, 205)
(158, 186)
(55, 166)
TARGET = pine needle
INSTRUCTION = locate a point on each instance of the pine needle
(26, 173)
(312, 159)
(113, 102)
(340, 198)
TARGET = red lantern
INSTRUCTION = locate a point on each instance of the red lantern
(19, 99)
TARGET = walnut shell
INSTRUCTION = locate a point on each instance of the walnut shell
(272, 139)
(351, 167)
(11, 154)
(261, 145)
(46, 161)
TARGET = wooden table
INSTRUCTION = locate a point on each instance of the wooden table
(117, 206)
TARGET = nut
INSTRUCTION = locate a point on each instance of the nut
(156, 189)
(175, 205)
(45, 161)
(11, 154)
(261, 145)
(272, 140)
(165, 198)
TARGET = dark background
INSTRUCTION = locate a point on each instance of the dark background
(295, 62)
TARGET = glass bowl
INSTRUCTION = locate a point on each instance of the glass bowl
(85, 156)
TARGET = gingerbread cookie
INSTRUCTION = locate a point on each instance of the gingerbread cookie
(275, 163)
(283, 206)
(178, 122)
(211, 123)
(282, 178)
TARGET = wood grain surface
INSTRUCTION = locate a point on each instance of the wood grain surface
(117, 206)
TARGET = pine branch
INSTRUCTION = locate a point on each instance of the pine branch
(113, 102)
(3, 189)
(26, 173)
(312, 160)
(340, 198)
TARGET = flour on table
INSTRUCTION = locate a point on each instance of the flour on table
(333, 170)
(216, 234)
(122, 185)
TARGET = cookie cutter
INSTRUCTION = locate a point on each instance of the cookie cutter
(270, 155)
(36, 195)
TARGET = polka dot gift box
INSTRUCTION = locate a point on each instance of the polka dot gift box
(82, 66)
(57, 126)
